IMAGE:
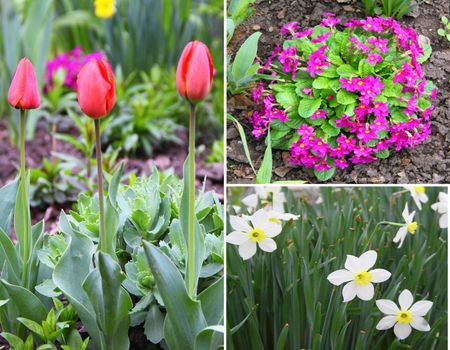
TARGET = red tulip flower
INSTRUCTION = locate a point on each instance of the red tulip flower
(96, 88)
(24, 92)
(195, 72)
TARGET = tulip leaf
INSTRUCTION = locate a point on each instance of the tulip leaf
(184, 319)
(209, 338)
(111, 303)
(8, 194)
(9, 254)
(245, 57)
(22, 218)
(212, 302)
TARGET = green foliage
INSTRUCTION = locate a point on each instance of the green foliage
(49, 185)
(217, 154)
(264, 174)
(445, 30)
(389, 8)
(290, 286)
(243, 69)
(238, 12)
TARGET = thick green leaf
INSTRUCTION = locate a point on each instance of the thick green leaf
(22, 218)
(111, 303)
(321, 83)
(245, 57)
(212, 302)
(345, 97)
(32, 326)
(346, 70)
(325, 174)
(307, 107)
(264, 175)
(8, 195)
(184, 318)
(383, 154)
(8, 253)
(154, 324)
(13, 340)
(210, 338)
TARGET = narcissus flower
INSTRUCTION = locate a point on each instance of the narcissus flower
(195, 72)
(418, 194)
(410, 226)
(441, 207)
(96, 88)
(403, 318)
(105, 8)
(24, 92)
(268, 196)
(260, 233)
(359, 276)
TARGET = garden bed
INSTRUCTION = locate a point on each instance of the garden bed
(426, 163)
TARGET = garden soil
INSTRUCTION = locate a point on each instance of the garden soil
(428, 162)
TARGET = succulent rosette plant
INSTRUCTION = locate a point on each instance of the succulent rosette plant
(336, 97)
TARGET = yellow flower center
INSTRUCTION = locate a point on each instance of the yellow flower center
(404, 317)
(360, 83)
(420, 189)
(105, 8)
(369, 91)
(369, 26)
(257, 235)
(412, 227)
(363, 277)
(275, 221)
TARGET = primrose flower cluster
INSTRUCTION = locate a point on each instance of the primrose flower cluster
(341, 97)
(71, 63)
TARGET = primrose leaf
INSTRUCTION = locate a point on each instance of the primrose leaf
(345, 97)
(307, 107)
(324, 175)
(346, 71)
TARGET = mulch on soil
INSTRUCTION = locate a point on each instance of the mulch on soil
(172, 156)
(428, 162)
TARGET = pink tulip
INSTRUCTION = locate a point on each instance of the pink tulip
(24, 92)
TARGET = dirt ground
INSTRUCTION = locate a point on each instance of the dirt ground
(428, 162)
(40, 147)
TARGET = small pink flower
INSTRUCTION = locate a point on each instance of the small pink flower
(330, 20)
(321, 38)
(374, 58)
(380, 44)
(340, 163)
(380, 109)
(289, 28)
(320, 113)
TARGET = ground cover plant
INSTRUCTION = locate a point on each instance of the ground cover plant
(137, 261)
(271, 52)
(325, 268)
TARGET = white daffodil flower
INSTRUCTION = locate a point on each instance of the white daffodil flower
(260, 233)
(418, 194)
(441, 208)
(410, 226)
(262, 194)
(359, 276)
(403, 318)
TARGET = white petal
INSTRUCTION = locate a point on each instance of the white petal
(259, 217)
(268, 245)
(251, 201)
(421, 308)
(380, 275)
(405, 299)
(237, 237)
(368, 259)
(417, 201)
(340, 276)
(247, 250)
(423, 197)
(420, 324)
(239, 224)
(352, 264)
(261, 192)
(349, 291)
(443, 221)
(387, 307)
(285, 216)
(271, 229)
(411, 217)
(400, 236)
(365, 292)
(405, 213)
(386, 322)
(402, 331)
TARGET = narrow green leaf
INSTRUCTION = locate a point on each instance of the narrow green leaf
(244, 140)
(245, 57)
(264, 175)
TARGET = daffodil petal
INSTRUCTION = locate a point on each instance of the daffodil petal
(380, 275)
(271, 229)
(352, 264)
(237, 237)
(251, 201)
(386, 322)
(259, 217)
(421, 308)
(268, 245)
(367, 260)
(340, 276)
(420, 324)
(239, 224)
(349, 291)
(402, 331)
(247, 250)
(387, 307)
(405, 299)
(365, 292)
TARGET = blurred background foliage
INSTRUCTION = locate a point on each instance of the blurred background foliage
(142, 40)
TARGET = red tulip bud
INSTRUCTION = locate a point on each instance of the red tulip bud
(96, 88)
(24, 92)
(195, 72)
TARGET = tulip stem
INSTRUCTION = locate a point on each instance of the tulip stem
(191, 210)
(24, 193)
(98, 153)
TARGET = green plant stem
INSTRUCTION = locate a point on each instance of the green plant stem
(98, 153)
(24, 192)
(191, 210)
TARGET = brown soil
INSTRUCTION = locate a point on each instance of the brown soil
(426, 163)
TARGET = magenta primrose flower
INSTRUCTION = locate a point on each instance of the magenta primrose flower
(347, 111)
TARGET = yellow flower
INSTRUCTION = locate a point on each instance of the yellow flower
(105, 8)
